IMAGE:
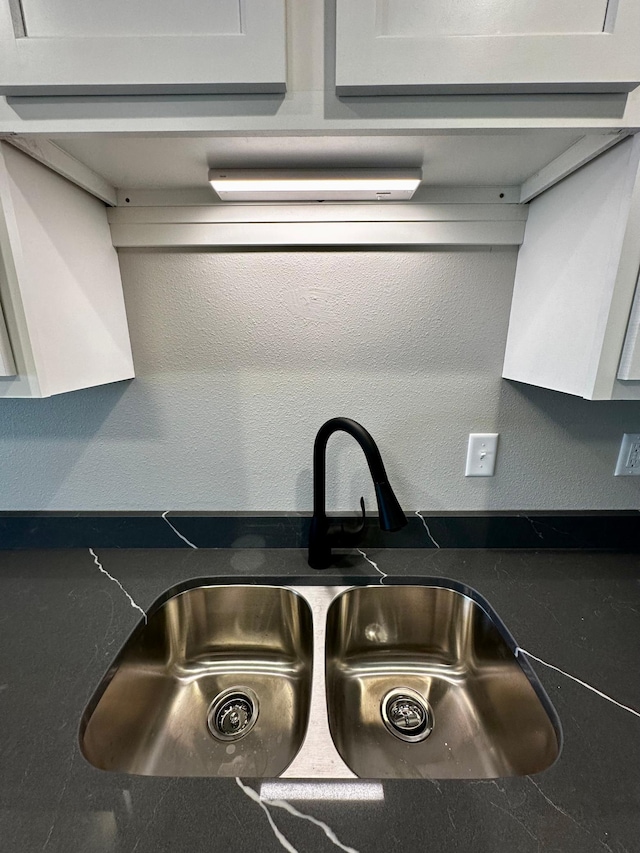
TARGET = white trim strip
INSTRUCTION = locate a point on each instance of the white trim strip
(580, 153)
(382, 212)
(299, 234)
(52, 156)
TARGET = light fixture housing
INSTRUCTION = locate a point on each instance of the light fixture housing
(251, 185)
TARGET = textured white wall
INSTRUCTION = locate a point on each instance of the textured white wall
(241, 356)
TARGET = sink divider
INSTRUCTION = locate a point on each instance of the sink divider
(318, 758)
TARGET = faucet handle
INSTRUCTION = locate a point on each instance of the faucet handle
(355, 530)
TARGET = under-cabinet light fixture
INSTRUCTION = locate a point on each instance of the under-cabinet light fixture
(317, 185)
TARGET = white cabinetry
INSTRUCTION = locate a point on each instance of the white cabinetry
(630, 361)
(60, 286)
(575, 280)
(7, 364)
(141, 46)
(494, 46)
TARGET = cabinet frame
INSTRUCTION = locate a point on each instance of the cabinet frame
(371, 64)
(253, 61)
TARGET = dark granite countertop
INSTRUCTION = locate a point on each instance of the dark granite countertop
(62, 621)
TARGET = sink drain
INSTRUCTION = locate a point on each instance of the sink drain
(233, 713)
(407, 714)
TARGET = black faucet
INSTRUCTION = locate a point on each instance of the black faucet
(323, 534)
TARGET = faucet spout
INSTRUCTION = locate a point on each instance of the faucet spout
(323, 534)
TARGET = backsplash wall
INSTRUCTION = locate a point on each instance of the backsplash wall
(240, 357)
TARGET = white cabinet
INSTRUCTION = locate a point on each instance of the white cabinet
(141, 46)
(575, 280)
(491, 46)
(7, 363)
(60, 286)
(630, 361)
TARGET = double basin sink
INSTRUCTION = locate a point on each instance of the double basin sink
(402, 680)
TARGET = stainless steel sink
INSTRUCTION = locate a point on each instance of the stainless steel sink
(421, 683)
(218, 683)
(401, 680)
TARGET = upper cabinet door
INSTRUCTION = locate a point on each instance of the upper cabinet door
(486, 46)
(53, 47)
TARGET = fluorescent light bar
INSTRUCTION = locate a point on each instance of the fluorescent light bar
(325, 185)
(355, 791)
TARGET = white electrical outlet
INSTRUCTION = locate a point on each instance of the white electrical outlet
(629, 457)
(481, 454)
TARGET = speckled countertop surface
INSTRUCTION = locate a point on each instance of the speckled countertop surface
(62, 621)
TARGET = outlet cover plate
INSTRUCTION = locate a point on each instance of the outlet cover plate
(628, 464)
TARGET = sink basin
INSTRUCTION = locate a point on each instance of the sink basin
(217, 683)
(416, 678)
(421, 682)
